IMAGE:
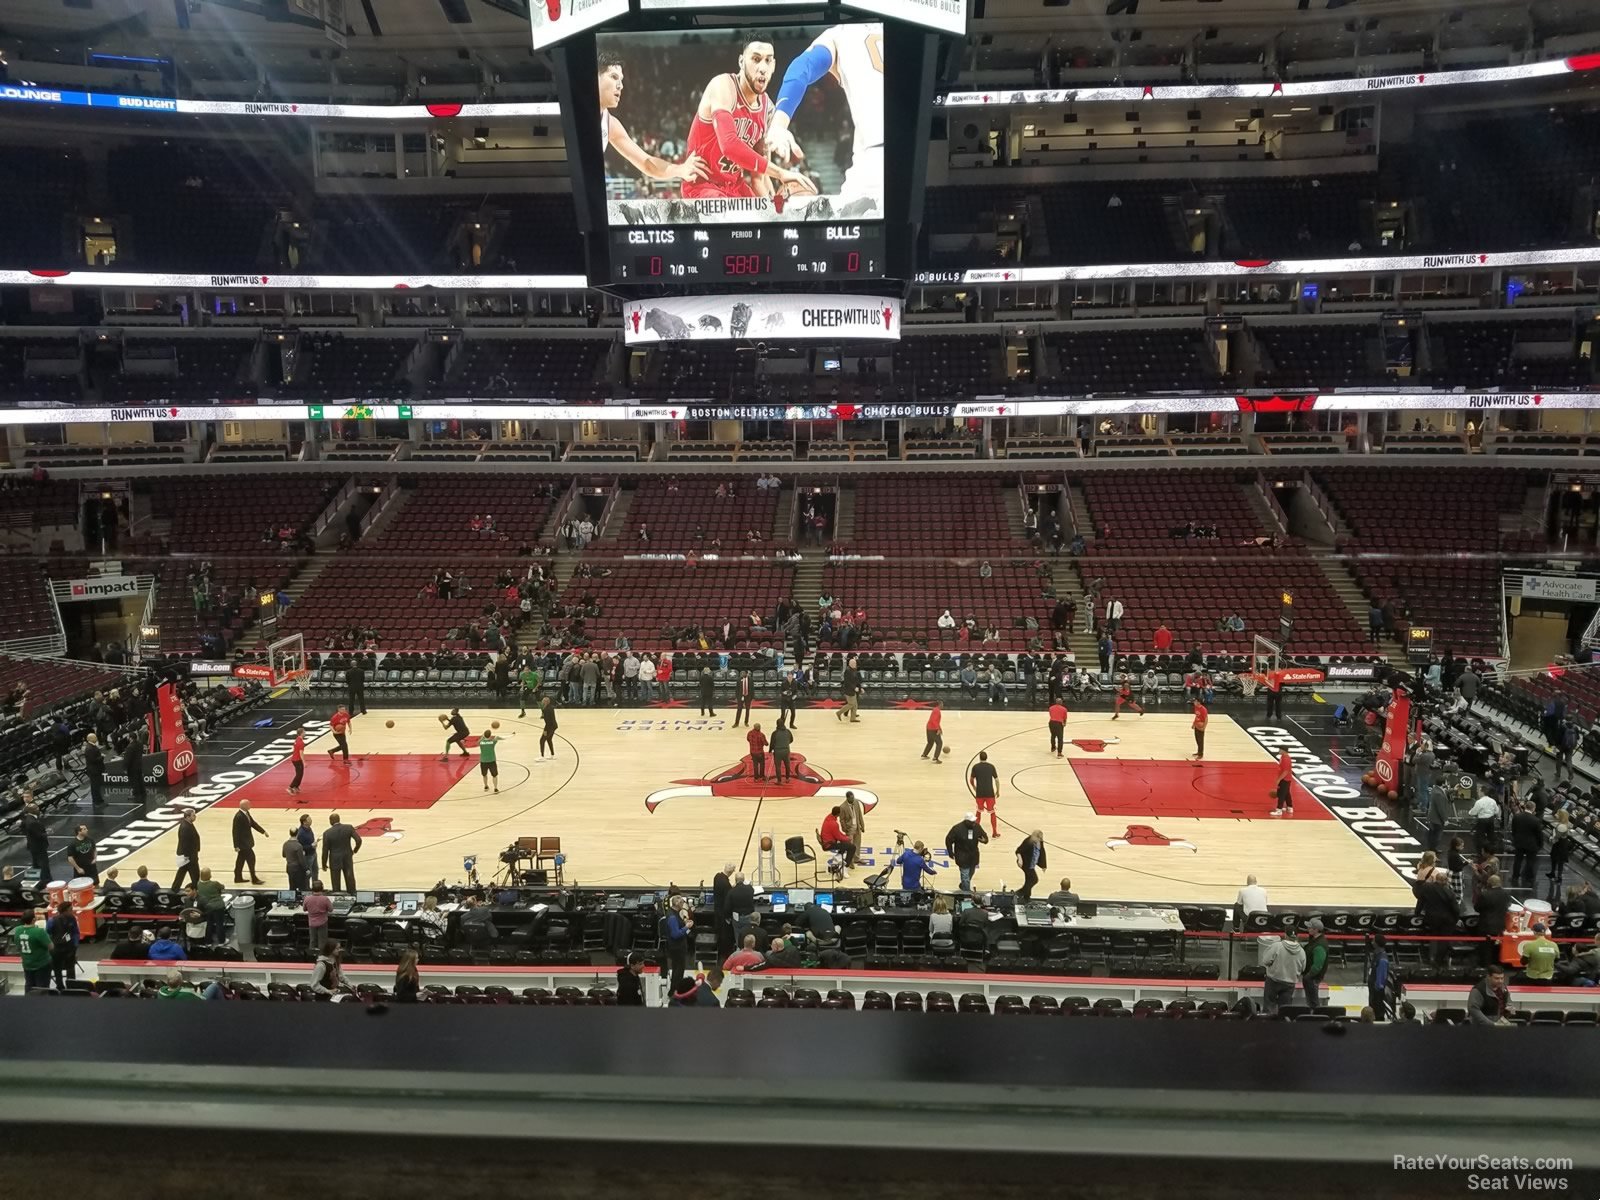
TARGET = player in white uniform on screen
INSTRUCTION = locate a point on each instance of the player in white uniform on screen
(615, 137)
(853, 55)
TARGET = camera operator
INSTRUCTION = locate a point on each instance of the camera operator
(913, 863)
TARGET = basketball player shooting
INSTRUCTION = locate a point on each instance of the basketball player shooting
(729, 134)
(614, 136)
(853, 56)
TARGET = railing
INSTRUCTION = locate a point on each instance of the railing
(390, 493)
(330, 513)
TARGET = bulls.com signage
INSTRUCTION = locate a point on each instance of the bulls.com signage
(101, 587)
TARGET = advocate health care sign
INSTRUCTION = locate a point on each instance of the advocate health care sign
(754, 316)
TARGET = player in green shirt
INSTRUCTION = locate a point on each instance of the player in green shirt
(528, 682)
(1539, 956)
(33, 944)
(486, 763)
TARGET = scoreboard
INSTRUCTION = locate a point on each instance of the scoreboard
(753, 254)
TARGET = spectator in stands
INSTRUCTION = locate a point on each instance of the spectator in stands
(1374, 619)
(208, 895)
(327, 975)
(1467, 685)
(946, 621)
(37, 838)
(745, 957)
(1489, 1002)
(630, 991)
(1232, 623)
(1539, 957)
(1252, 897)
(1108, 649)
(1284, 961)
(317, 905)
(1161, 641)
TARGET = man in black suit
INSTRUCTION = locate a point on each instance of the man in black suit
(355, 688)
(743, 693)
(708, 693)
(244, 842)
(1527, 839)
(340, 845)
(741, 904)
(133, 763)
(1439, 909)
(721, 888)
(38, 839)
(188, 851)
(94, 767)
(1494, 902)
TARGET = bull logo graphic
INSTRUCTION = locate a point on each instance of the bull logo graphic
(739, 782)
(1147, 835)
(740, 321)
(1094, 745)
(666, 326)
(379, 827)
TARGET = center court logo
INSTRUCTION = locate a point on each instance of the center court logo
(739, 782)
(379, 827)
(1148, 835)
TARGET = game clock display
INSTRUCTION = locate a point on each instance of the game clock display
(675, 255)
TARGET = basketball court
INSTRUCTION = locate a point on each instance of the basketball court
(659, 795)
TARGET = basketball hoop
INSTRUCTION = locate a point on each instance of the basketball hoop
(291, 670)
(1248, 684)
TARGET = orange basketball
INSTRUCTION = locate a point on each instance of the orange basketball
(388, 724)
(494, 724)
(766, 842)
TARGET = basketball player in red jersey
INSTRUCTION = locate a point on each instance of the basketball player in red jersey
(729, 133)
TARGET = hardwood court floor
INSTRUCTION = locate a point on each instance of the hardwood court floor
(659, 795)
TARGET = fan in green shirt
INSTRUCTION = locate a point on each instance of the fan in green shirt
(1539, 956)
(529, 682)
(33, 944)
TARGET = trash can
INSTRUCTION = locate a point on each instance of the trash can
(244, 921)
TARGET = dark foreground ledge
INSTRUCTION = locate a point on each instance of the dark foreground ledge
(454, 1099)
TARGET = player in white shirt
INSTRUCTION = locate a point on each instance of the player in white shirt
(615, 137)
(853, 55)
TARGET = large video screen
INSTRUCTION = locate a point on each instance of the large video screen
(742, 126)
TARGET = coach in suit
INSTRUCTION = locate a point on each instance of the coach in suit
(340, 845)
(188, 851)
(94, 767)
(721, 889)
(743, 693)
(355, 688)
(244, 842)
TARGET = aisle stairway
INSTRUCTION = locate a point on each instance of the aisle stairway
(1354, 599)
(258, 636)
(844, 519)
(1082, 522)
